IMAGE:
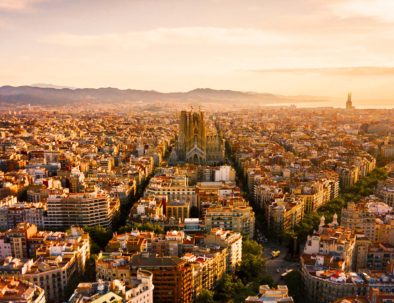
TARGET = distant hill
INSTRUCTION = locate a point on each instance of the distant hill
(52, 95)
(46, 85)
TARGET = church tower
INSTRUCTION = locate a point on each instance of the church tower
(197, 142)
(349, 104)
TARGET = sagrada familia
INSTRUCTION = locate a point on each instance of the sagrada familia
(198, 142)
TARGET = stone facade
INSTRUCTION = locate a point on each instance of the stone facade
(198, 142)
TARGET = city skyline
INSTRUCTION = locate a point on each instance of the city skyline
(316, 48)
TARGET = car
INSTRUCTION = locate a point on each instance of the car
(275, 253)
(285, 273)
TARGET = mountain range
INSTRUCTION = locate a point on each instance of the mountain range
(52, 95)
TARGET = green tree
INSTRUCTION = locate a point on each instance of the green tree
(253, 261)
(224, 288)
(125, 229)
(251, 272)
(158, 229)
(232, 289)
(99, 237)
(293, 280)
(205, 296)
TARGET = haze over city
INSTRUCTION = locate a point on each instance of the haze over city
(308, 47)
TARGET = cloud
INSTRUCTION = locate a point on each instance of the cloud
(335, 71)
(18, 5)
(379, 9)
(179, 36)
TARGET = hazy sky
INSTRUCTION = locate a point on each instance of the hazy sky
(290, 47)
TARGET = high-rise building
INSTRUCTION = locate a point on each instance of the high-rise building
(198, 142)
(82, 209)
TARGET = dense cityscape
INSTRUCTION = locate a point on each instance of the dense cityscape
(273, 204)
(196, 151)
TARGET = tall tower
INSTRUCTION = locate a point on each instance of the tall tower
(349, 104)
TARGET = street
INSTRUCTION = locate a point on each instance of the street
(273, 264)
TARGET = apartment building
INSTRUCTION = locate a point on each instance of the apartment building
(332, 253)
(332, 240)
(18, 290)
(174, 186)
(230, 240)
(375, 295)
(348, 176)
(33, 213)
(284, 213)
(271, 295)
(19, 239)
(57, 257)
(370, 217)
(239, 219)
(385, 191)
(138, 290)
(172, 277)
(150, 208)
(214, 191)
(387, 151)
(82, 209)
(208, 266)
(178, 210)
(114, 265)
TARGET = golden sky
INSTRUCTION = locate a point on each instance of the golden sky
(288, 47)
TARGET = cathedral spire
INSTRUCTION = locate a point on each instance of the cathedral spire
(198, 141)
(349, 104)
